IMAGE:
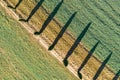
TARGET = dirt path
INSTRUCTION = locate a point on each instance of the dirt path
(31, 31)
(43, 42)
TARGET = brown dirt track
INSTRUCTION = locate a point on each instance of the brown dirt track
(48, 36)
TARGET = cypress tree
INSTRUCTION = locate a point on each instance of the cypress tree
(16, 5)
(102, 67)
(76, 43)
(50, 17)
(87, 58)
(33, 11)
(62, 31)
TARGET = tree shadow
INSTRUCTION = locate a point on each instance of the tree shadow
(76, 43)
(86, 59)
(62, 31)
(33, 11)
(79, 74)
(50, 17)
(102, 67)
(65, 61)
(16, 5)
(116, 75)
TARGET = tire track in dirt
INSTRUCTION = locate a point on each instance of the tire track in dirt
(29, 28)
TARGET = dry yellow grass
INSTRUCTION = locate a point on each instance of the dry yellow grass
(64, 43)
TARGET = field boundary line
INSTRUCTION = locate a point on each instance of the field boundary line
(43, 42)
(72, 36)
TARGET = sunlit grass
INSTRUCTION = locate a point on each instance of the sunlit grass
(82, 18)
(22, 58)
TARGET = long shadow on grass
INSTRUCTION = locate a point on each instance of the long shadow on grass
(102, 67)
(50, 17)
(62, 31)
(116, 75)
(65, 61)
(16, 5)
(86, 59)
(33, 11)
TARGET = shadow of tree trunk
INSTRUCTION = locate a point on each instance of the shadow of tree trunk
(50, 17)
(86, 59)
(116, 75)
(76, 43)
(102, 67)
(33, 11)
(16, 5)
(62, 31)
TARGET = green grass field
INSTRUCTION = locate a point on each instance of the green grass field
(105, 15)
(22, 58)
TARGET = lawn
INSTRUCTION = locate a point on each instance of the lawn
(22, 58)
(66, 41)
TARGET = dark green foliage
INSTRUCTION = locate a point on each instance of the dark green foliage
(51, 47)
(102, 67)
(65, 61)
(36, 33)
(62, 31)
(80, 37)
(88, 56)
(33, 11)
(23, 20)
(79, 75)
(10, 6)
(16, 5)
(117, 75)
(50, 17)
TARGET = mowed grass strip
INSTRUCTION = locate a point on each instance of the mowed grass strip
(64, 44)
(22, 58)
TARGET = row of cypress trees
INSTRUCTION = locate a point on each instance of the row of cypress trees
(75, 44)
